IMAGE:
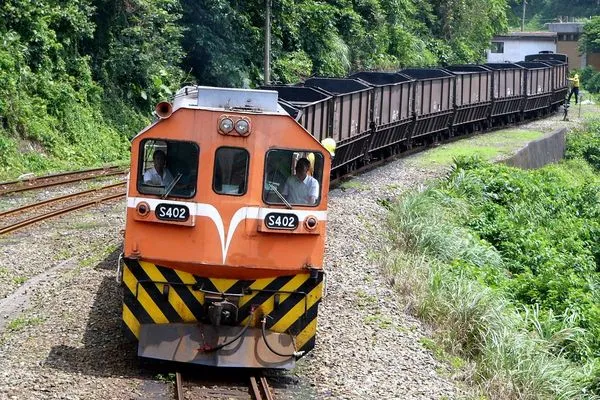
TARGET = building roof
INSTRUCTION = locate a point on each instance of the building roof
(566, 27)
(526, 35)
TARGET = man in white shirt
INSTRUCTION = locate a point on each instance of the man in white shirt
(301, 188)
(158, 175)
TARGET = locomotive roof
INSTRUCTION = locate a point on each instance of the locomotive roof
(229, 99)
(225, 99)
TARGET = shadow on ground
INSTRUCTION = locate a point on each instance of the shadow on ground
(105, 350)
(110, 261)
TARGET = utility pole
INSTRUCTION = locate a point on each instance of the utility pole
(267, 66)
(522, 19)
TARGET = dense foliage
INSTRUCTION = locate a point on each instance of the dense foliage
(591, 35)
(585, 144)
(224, 38)
(79, 77)
(590, 42)
(539, 12)
(546, 225)
(506, 262)
(590, 79)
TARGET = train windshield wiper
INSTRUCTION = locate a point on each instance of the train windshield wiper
(273, 188)
(172, 185)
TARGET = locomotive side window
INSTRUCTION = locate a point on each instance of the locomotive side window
(231, 171)
(168, 168)
(293, 177)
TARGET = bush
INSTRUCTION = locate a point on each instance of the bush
(455, 281)
(590, 79)
(511, 261)
(593, 85)
(585, 144)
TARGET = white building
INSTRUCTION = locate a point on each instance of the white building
(514, 46)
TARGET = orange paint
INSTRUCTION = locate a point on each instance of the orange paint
(226, 237)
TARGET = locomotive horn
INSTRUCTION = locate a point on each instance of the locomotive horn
(164, 110)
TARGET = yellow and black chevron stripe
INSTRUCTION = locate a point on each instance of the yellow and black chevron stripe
(155, 294)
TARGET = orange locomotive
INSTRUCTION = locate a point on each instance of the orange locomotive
(225, 232)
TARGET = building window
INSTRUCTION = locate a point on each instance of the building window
(497, 47)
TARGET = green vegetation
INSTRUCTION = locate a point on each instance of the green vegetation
(488, 147)
(78, 78)
(20, 323)
(585, 144)
(590, 40)
(353, 185)
(19, 280)
(165, 378)
(590, 79)
(540, 12)
(441, 354)
(505, 263)
(379, 320)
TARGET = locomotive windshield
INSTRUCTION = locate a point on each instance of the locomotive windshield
(293, 177)
(231, 171)
(168, 168)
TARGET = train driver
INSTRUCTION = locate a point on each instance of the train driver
(301, 188)
(159, 174)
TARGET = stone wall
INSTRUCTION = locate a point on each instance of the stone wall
(549, 149)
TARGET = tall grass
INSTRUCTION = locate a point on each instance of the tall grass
(515, 355)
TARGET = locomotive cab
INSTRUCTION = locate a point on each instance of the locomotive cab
(225, 232)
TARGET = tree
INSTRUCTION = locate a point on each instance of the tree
(136, 51)
(590, 41)
(544, 11)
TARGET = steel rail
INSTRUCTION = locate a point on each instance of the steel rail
(59, 174)
(25, 185)
(30, 221)
(259, 387)
(57, 199)
(179, 386)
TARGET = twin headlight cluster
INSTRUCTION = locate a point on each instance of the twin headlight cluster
(234, 125)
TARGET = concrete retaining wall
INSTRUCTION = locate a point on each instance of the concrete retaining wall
(543, 151)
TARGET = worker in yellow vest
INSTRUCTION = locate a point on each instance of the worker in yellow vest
(574, 88)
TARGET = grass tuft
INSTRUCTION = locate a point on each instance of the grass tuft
(353, 184)
(20, 323)
(489, 147)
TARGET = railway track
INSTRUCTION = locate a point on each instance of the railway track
(17, 186)
(21, 217)
(258, 389)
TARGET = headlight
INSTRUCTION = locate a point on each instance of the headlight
(242, 127)
(226, 125)
(311, 222)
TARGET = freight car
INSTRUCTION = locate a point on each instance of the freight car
(374, 114)
(221, 266)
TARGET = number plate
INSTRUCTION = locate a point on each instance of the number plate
(281, 221)
(172, 212)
